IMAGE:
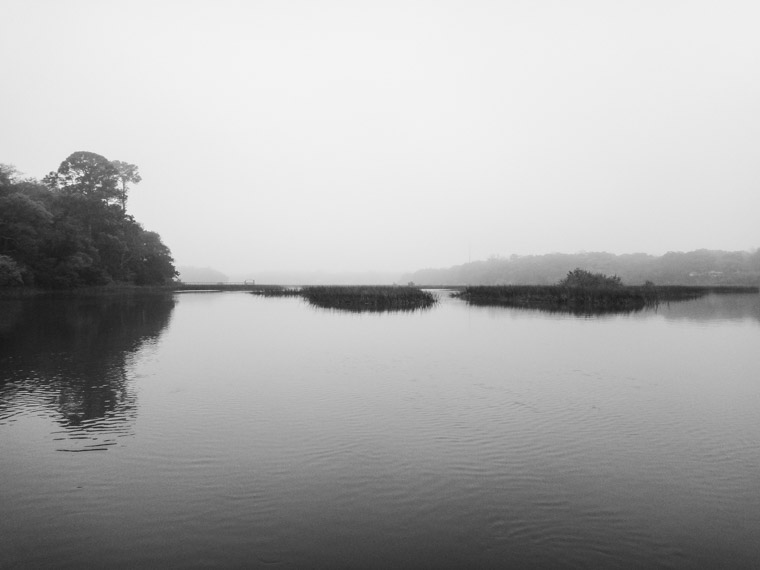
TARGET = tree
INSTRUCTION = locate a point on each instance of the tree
(87, 175)
(86, 185)
(23, 226)
(155, 264)
(73, 230)
(127, 174)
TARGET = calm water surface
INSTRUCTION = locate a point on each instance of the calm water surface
(223, 429)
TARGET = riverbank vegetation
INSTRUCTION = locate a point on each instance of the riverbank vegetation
(583, 292)
(72, 229)
(278, 291)
(359, 298)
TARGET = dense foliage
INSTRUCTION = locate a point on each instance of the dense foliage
(72, 229)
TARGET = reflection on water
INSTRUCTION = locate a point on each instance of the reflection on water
(713, 307)
(710, 308)
(68, 357)
(271, 433)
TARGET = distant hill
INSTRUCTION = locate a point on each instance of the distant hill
(700, 267)
(319, 278)
(190, 274)
(201, 275)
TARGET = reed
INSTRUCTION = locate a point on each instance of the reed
(360, 298)
(369, 298)
(278, 291)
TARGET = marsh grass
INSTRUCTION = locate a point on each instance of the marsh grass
(278, 291)
(587, 300)
(360, 298)
(369, 298)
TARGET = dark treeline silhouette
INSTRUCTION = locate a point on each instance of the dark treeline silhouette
(72, 229)
(700, 267)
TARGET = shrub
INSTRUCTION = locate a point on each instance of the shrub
(586, 279)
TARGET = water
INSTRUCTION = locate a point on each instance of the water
(223, 429)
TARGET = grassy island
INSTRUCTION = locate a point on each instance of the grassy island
(582, 292)
(360, 298)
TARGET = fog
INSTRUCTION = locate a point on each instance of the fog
(391, 136)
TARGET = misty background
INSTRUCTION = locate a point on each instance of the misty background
(382, 138)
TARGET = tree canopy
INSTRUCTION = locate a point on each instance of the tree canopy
(126, 174)
(88, 175)
(73, 229)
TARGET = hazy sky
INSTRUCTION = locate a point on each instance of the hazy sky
(348, 136)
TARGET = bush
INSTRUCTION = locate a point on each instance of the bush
(586, 279)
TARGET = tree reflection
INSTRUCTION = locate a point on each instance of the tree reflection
(72, 356)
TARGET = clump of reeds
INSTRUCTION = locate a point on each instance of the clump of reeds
(278, 291)
(587, 300)
(559, 298)
(357, 298)
(369, 298)
(582, 292)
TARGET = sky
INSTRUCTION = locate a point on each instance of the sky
(391, 135)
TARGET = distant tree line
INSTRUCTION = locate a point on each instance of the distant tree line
(190, 274)
(72, 228)
(700, 267)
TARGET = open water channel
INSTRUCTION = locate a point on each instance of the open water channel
(229, 430)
